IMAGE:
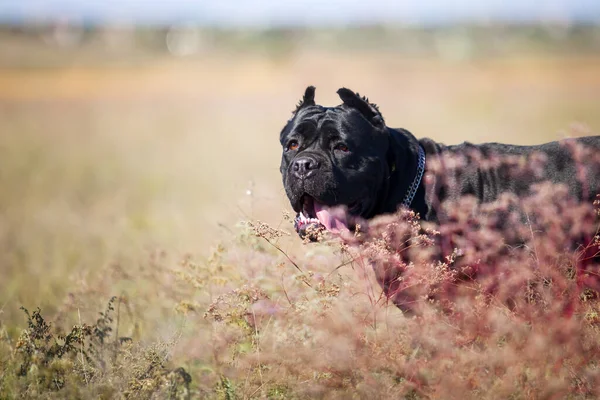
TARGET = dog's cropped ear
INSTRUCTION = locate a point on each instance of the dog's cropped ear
(307, 100)
(368, 110)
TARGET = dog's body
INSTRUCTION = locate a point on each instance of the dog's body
(489, 169)
(347, 156)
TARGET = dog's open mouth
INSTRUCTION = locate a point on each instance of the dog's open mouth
(314, 217)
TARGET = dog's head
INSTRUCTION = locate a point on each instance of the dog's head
(334, 161)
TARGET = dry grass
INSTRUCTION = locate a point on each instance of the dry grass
(129, 182)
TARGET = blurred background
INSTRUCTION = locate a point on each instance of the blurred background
(134, 127)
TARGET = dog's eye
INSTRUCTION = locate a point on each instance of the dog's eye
(292, 145)
(342, 147)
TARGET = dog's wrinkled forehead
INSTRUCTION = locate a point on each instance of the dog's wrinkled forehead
(318, 114)
(328, 122)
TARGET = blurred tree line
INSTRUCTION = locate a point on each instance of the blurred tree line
(105, 44)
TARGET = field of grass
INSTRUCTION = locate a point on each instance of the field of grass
(131, 181)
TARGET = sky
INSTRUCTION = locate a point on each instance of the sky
(299, 13)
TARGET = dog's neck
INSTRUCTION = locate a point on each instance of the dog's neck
(402, 165)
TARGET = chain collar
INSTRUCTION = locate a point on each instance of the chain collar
(412, 189)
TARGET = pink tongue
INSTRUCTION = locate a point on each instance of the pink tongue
(333, 220)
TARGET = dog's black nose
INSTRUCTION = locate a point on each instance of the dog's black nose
(305, 166)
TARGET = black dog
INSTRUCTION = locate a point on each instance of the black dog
(346, 156)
